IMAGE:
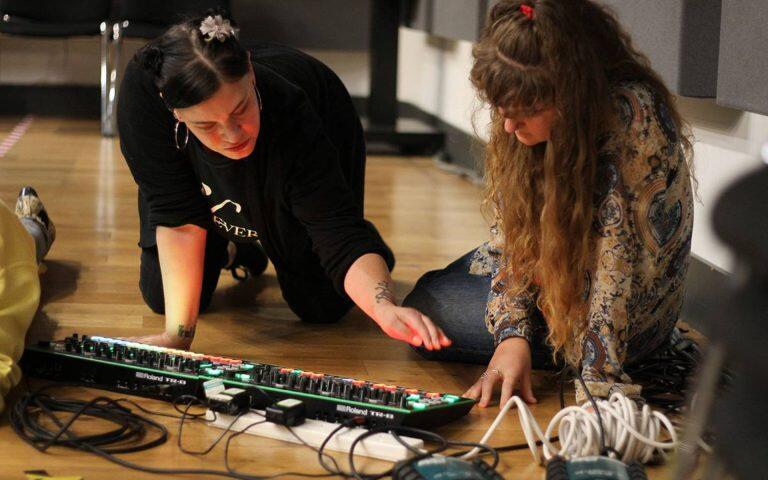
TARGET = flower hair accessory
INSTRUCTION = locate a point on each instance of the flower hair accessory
(527, 10)
(216, 27)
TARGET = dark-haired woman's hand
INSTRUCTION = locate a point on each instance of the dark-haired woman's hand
(410, 326)
(510, 367)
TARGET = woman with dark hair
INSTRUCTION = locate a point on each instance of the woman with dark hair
(589, 187)
(242, 155)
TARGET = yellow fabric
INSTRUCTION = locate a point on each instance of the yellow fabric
(46, 477)
(19, 296)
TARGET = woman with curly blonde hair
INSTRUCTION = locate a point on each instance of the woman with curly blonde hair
(588, 183)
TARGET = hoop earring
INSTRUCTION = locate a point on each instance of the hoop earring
(258, 95)
(176, 136)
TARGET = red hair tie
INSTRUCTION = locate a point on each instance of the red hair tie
(527, 11)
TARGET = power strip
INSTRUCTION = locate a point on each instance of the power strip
(314, 433)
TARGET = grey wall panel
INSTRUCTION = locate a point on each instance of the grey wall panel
(458, 19)
(743, 72)
(453, 19)
(700, 47)
(680, 37)
(314, 24)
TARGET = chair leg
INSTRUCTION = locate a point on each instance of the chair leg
(114, 78)
(106, 128)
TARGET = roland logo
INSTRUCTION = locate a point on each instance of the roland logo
(352, 410)
(159, 378)
(364, 412)
(149, 376)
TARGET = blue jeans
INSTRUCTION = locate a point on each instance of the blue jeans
(455, 300)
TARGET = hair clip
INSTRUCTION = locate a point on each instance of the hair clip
(216, 27)
(527, 10)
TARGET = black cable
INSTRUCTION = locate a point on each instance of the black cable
(316, 450)
(604, 450)
(146, 410)
(488, 450)
(443, 445)
(212, 445)
(130, 435)
(133, 432)
(320, 455)
(226, 444)
(508, 448)
(278, 475)
(130, 427)
(192, 400)
(402, 442)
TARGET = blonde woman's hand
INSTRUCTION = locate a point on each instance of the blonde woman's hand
(510, 368)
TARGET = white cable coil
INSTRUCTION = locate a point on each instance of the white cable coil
(634, 432)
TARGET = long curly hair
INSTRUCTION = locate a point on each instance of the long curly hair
(565, 54)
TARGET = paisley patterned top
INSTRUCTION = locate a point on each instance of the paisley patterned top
(642, 238)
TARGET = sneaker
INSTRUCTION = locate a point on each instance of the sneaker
(29, 205)
(246, 260)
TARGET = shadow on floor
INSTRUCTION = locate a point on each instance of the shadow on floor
(59, 280)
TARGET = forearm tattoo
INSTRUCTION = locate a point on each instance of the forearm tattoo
(384, 293)
(184, 332)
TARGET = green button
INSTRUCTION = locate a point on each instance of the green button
(206, 365)
(246, 366)
(450, 398)
(243, 377)
(418, 405)
(413, 398)
(213, 371)
(297, 372)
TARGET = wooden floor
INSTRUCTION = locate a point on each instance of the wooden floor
(428, 217)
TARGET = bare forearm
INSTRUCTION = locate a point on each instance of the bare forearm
(182, 254)
(369, 283)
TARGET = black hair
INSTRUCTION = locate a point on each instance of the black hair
(187, 68)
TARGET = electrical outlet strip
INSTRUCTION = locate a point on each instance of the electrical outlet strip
(314, 432)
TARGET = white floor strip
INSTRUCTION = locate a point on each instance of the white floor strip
(16, 134)
(314, 432)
